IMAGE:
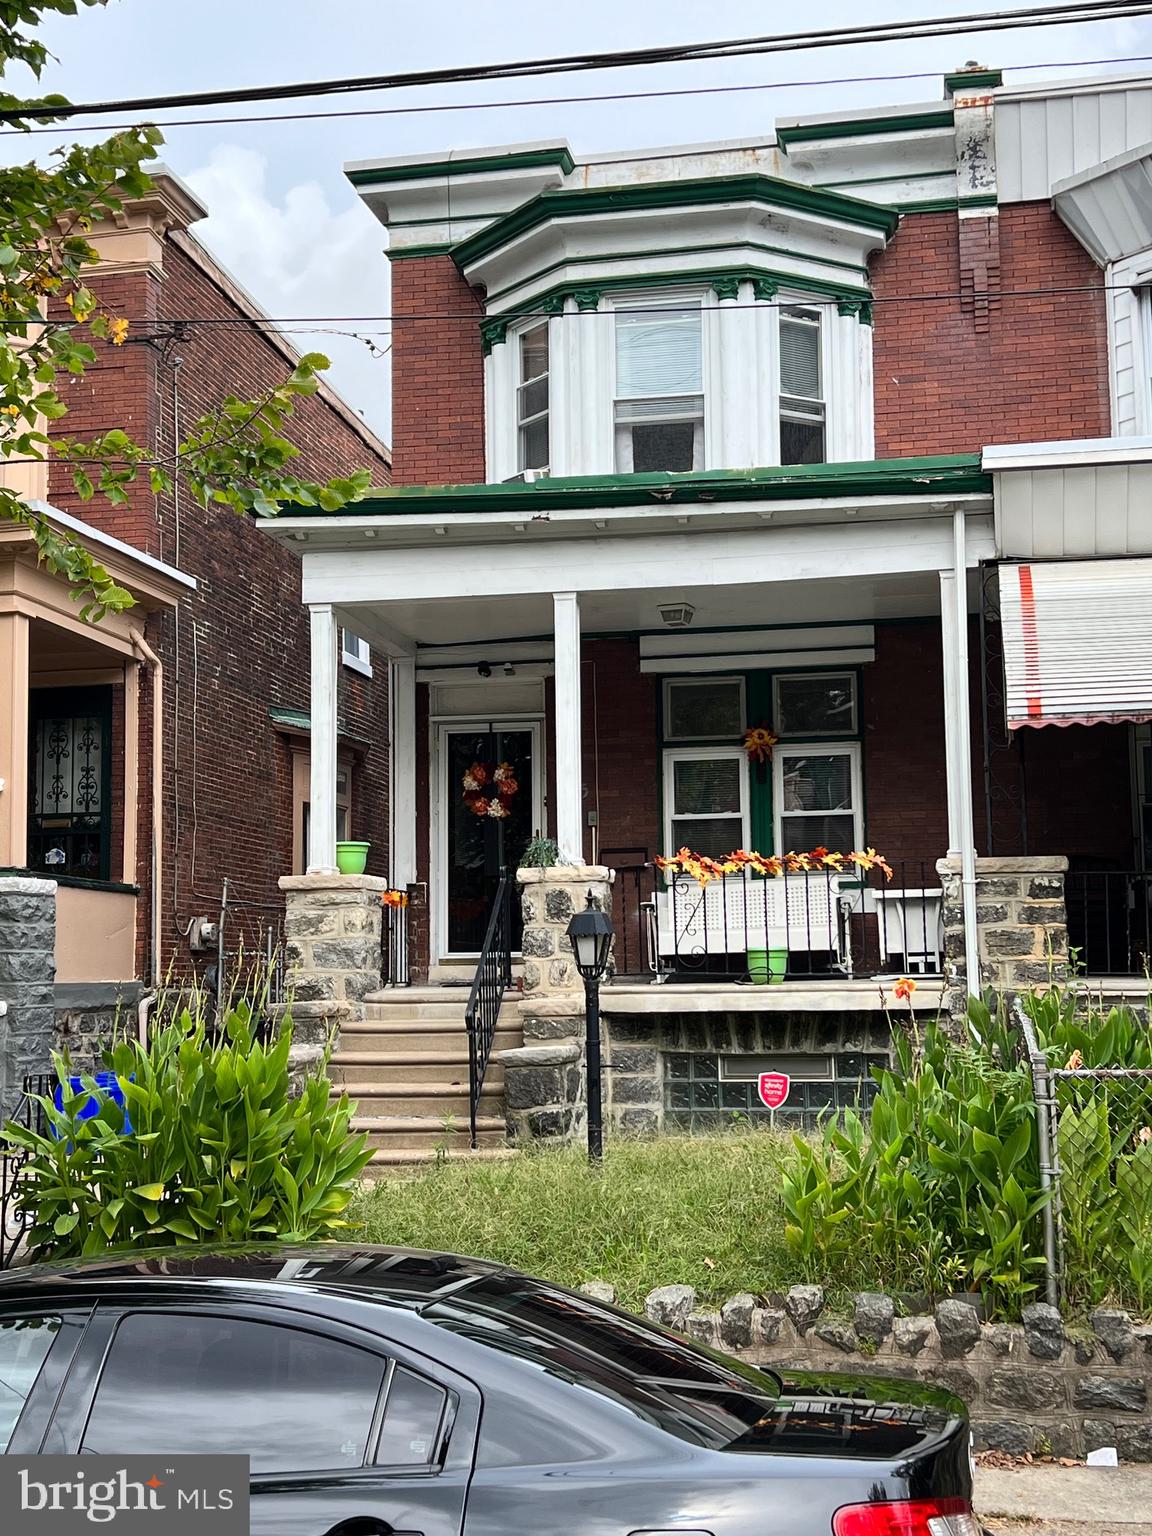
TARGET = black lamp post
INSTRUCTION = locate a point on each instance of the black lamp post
(591, 933)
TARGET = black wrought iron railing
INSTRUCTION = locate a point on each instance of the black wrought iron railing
(13, 1161)
(493, 978)
(1109, 921)
(809, 925)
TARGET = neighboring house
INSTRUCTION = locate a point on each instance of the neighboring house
(140, 833)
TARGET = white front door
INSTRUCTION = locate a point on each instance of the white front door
(488, 802)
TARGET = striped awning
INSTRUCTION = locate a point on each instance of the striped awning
(1077, 641)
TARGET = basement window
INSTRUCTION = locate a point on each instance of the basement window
(704, 1092)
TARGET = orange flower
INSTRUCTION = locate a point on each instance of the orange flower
(758, 742)
(394, 898)
(904, 989)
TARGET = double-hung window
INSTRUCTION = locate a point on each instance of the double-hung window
(706, 799)
(802, 406)
(355, 652)
(532, 401)
(816, 796)
(659, 386)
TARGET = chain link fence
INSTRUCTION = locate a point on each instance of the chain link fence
(1094, 1128)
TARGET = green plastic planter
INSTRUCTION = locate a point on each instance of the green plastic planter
(767, 967)
(352, 857)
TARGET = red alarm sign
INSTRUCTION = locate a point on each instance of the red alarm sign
(774, 1088)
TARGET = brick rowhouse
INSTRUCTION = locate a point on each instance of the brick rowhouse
(238, 646)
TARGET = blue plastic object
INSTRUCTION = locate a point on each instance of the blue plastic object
(110, 1087)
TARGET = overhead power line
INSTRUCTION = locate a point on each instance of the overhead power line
(561, 101)
(886, 32)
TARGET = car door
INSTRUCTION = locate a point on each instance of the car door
(37, 1343)
(343, 1431)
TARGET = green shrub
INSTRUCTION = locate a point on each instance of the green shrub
(941, 1187)
(219, 1149)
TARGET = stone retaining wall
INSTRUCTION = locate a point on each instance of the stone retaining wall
(1033, 1387)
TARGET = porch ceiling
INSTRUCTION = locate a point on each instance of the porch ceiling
(867, 599)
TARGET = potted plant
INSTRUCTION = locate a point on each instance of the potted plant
(352, 857)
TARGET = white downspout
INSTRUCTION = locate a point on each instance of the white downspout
(156, 666)
(965, 828)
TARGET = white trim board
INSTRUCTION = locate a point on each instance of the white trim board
(722, 643)
(670, 665)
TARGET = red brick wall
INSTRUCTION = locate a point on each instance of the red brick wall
(437, 375)
(951, 378)
(1078, 780)
(240, 643)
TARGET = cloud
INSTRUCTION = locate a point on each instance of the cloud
(297, 255)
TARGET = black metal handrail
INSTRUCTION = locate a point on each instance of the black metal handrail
(29, 1114)
(1109, 914)
(493, 978)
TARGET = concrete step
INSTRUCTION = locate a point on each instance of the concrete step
(401, 1132)
(427, 993)
(416, 1035)
(394, 1162)
(433, 1101)
(381, 1013)
(449, 1067)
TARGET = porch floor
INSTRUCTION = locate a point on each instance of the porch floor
(832, 995)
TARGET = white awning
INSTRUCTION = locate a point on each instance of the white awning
(1077, 641)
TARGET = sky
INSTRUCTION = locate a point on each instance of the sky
(285, 222)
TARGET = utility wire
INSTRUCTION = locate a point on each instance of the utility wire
(947, 26)
(561, 101)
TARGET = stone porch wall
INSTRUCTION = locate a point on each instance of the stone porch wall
(332, 929)
(1021, 925)
(1032, 1387)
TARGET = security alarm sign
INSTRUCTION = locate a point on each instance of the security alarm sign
(774, 1088)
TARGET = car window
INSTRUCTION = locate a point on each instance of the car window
(24, 1346)
(291, 1400)
(413, 1412)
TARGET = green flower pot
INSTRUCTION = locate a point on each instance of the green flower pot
(352, 857)
(767, 967)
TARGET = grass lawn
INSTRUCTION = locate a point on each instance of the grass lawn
(702, 1210)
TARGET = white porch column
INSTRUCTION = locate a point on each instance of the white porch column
(569, 766)
(402, 777)
(322, 791)
(958, 740)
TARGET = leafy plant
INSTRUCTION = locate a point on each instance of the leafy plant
(542, 853)
(219, 1149)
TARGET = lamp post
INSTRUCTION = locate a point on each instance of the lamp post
(591, 933)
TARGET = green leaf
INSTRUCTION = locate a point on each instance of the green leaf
(150, 1192)
(65, 1224)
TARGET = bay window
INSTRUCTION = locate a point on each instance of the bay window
(802, 407)
(532, 400)
(659, 403)
(706, 799)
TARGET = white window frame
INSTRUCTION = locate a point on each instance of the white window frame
(794, 677)
(536, 323)
(828, 384)
(823, 746)
(355, 652)
(693, 679)
(674, 755)
(660, 298)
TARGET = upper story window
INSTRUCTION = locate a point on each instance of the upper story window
(802, 409)
(659, 408)
(532, 399)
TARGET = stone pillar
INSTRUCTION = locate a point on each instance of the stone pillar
(545, 1089)
(332, 927)
(1020, 923)
(27, 982)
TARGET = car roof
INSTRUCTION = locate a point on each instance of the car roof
(405, 1277)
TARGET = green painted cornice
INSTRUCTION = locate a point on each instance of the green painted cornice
(471, 165)
(770, 190)
(863, 127)
(934, 478)
(973, 80)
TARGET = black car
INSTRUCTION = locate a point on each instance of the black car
(381, 1391)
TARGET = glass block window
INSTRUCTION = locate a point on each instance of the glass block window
(705, 1092)
(704, 709)
(70, 819)
(815, 704)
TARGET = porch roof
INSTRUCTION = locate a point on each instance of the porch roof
(933, 477)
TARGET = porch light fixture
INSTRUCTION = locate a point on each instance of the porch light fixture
(591, 935)
(677, 615)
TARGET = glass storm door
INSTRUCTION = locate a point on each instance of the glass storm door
(490, 816)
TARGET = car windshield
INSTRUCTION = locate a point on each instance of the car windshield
(685, 1389)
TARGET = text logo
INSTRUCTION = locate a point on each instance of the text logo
(129, 1495)
(774, 1088)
